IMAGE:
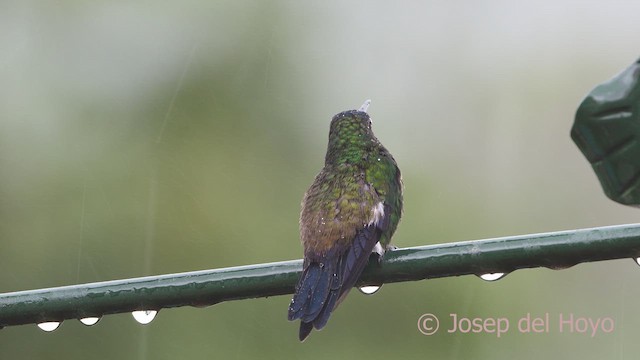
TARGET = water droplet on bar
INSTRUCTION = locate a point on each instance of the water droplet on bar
(369, 289)
(89, 321)
(49, 325)
(144, 316)
(492, 276)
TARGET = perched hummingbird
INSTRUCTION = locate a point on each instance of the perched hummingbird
(351, 210)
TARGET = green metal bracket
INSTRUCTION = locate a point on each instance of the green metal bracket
(607, 131)
(555, 250)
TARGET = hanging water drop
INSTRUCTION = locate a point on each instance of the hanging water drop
(637, 260)
(144, 316)
(492, 276)
(89, 321)
(49, 325)
(369, 289)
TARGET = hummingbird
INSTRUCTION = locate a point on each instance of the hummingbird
(350, 211)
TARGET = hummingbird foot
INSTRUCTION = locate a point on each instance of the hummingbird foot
(378, 251)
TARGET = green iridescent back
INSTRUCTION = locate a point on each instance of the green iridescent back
(358, 174)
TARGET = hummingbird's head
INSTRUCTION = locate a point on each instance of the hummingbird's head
(350, 126)
(350, 135)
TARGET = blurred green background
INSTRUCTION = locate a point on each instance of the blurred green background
(151, 138)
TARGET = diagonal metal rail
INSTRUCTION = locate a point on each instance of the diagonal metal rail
(555, 250)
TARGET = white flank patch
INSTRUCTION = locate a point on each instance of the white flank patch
(378, 213)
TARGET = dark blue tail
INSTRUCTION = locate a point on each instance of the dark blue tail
(325, 282)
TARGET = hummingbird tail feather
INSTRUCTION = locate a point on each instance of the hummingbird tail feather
(305, 291)
(320, 281)
(305, 330)
(325, 283)
(314, 286)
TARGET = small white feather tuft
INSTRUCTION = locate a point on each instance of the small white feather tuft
(365, 106)
(377, 213)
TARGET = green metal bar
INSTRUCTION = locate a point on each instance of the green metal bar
(555, 250)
